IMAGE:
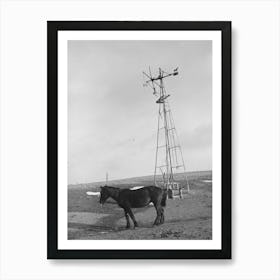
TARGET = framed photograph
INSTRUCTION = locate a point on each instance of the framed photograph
(139, 140)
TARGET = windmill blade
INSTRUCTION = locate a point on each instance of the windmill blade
(147, 76)
(151, 83)
(154, 89)
(148, 84)
(150, 71)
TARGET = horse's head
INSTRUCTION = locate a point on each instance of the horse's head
(104, 194)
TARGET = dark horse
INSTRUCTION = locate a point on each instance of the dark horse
(128, 199)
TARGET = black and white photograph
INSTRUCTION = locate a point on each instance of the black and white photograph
(143, 153)
(139, 140)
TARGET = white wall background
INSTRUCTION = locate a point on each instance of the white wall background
(255, 139)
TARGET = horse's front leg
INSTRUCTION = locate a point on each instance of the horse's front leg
(127, 219)
(132, 217)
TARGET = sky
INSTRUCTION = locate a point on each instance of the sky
(112, 118)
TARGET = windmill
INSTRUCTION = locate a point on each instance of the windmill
(169, 157)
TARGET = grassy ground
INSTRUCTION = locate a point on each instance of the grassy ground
(188, 218)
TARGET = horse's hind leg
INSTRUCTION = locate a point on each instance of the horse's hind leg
(159, 213)
(132, 217)
(162, 216)
(127, 219)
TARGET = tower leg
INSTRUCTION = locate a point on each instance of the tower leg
(181, 193)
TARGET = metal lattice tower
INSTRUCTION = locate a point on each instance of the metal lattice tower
(169, 157)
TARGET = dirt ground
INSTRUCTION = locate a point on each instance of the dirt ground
(188, 218)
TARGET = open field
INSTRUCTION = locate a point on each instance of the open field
(188, 218)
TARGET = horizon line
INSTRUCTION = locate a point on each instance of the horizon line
(95, 182)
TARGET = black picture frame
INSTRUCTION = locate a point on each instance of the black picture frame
(52, 137)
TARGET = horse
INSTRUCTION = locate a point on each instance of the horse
(128, 199)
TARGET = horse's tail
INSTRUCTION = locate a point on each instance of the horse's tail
(163, 199)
